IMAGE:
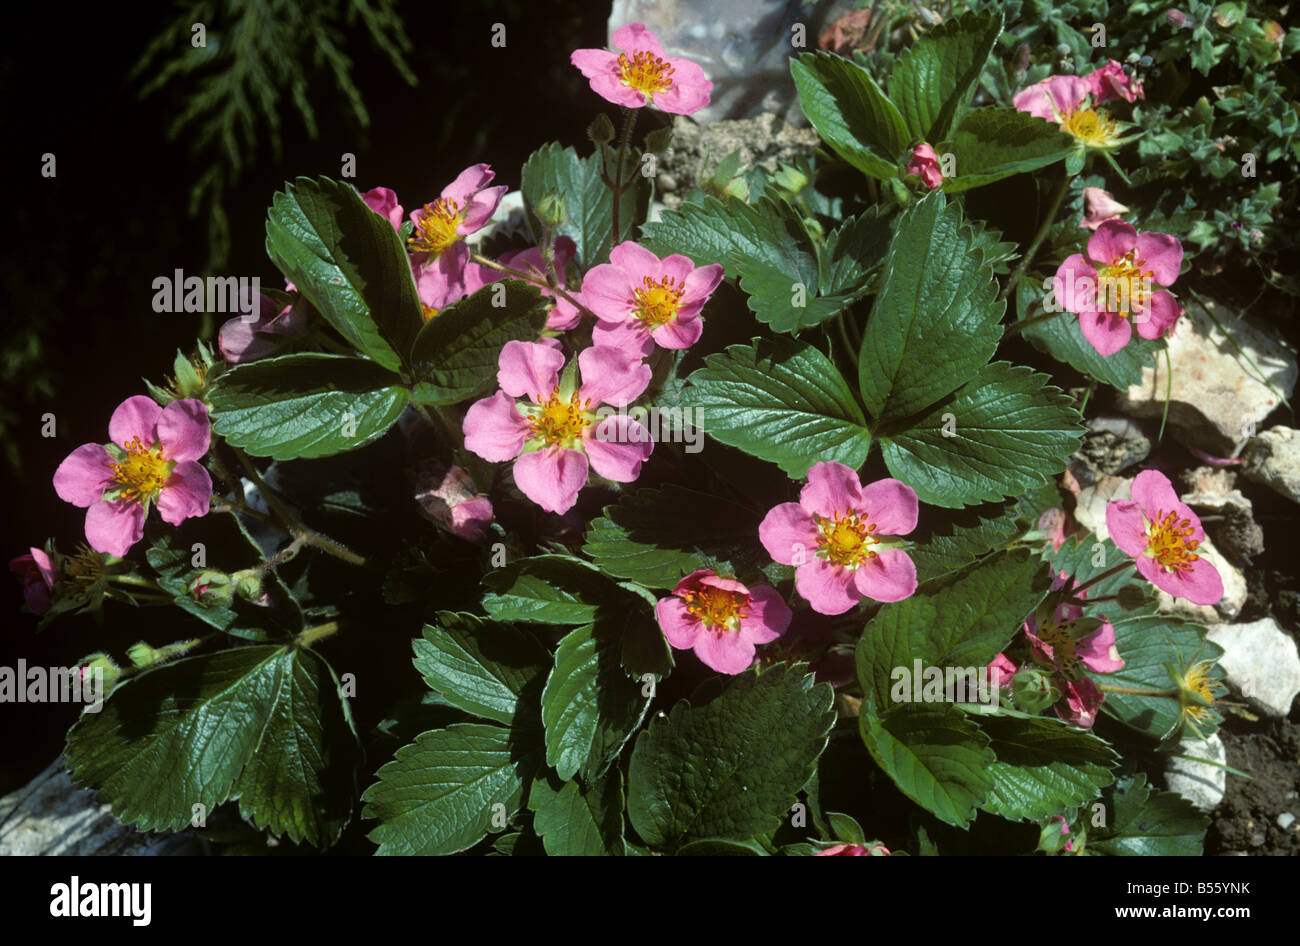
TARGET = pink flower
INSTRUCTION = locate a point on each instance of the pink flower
(1069, 101)
(1001, 669)
(1162, 534)
(1065, 829)
(1098, 207)
(242, 340)
(564, 315)
(1114, 281)
(438, 241)
(641, 300)
(1052, 524)
(721, 620)
(452, 501)
(551, 425)
(153, 457)
(383, 201)
(854, 850)
(925, 164)
(833, 538)
(642, 74)
(36, 569)
(1109, 83)
(1059, 644)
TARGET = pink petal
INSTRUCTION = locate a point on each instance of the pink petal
(689, 92)
(112, 528)
(1161, 313)
(612, 89)
(634, 37)
(184, 430)
(563, 316)
(828, 588)
(1126, 526)
(832, 489)
(607, 292)
(678, 333)
(1067, 92)
(1075, 284)
(767, 616)
(611, 376)
(1098, 651)
(1107, 332)
(1201, 584)
(239, 342)
(617, 447)
(676, 267)
(383, 201)
(707, 579)
(470, 519)
(787, 529)
(527, 369)
(724, 651)
(467, 183)
(1155, 494)
(891, 506)
(629, 336)
(680, 627)
(636, 262)
(1037, 101)
(1081, 701)
(136, 417)
(699, 286)
(480, 209)
(494, 429)
(84, 475)
(552, 477)
(1162, 254)
(188, 493)
(889, 576)
(1112, 241)
(595, 62)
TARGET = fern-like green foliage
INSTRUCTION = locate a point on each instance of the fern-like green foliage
(260, 57)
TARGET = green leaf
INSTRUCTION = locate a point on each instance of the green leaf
(439, 793)
(348, 262)
(590, 706)
(578, 821)
(481, 666)
(967, 536)
(937, 306)
(1061, 338)
(1148, 643)
(657, 536)
(262, 724)
(1147, 823)
(851, 113)
(719, 847)
(935, 755)
(935, 77)
(733, 767)
(549, 589)
(1010, 430)
(455, 355)
(588, 202)
(964, 625)
(1044, 766)
(305, 406)
(781, 401)
(993, 143)
(853, 251)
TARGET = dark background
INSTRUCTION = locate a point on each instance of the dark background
(81, 250)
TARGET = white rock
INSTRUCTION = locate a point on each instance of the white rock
(1273, 458)
(1090, 512)
(745, 51)
(1285, 820)
(1202, 785)
(1218, 397)
(1261, 662)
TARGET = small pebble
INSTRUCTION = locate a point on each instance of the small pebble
(1285, 820)
(1257, 840)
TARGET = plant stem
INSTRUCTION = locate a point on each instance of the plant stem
(1017, 327)
(311, 635)
(530, 278)
(629, 123)
(1102, 577)
(1136, 691)
(1023, 266)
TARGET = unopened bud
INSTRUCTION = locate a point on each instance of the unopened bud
(601, 131)
(551, 210)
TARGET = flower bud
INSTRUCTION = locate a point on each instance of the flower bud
(211, 587)
(1032, 690)
(248, 583)
(551, 210)
(601, 130)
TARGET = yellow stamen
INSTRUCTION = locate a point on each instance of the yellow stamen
(716, 608)
(436, 228)
(1056, 635)
(428, 311)
(657, 302)
(561, 422)
(1124, 286)
(1168, 542)
(142, 473)
(1093, 126)
(646, 73)
(846, 540)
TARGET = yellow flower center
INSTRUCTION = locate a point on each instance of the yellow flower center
(86, 566)
(1056, 635)
(142, 473)
(657, 302)
(1168, 542)
(428, 311)
(645, 72)
(560, 422)
(1199, 681)
(1093, 126)
(1124, 285)
(846, 540)
(716, 608)
(436, 228)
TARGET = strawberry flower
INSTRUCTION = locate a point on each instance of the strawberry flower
(549, 426)
(437, 242)
(383, 201)
(37, 572)
(722, 620)
(1112, 285)
(643, 74)
(1110, 83)
(833, 537)
(1162, 534)
(1099, 206)
(153, 458)
(925, 164)
(1071, 102)
(564, 315)
(641, 300)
